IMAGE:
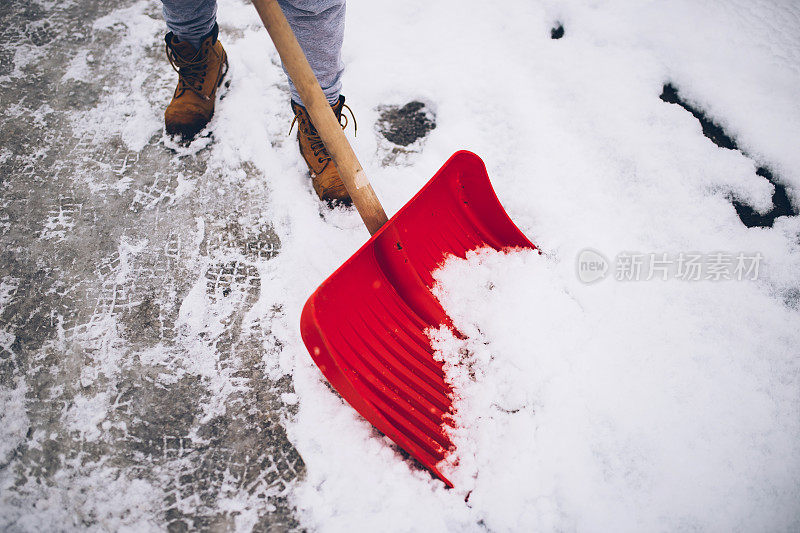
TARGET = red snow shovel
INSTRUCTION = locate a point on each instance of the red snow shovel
(365, 325)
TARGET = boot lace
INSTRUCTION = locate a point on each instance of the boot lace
(315, 142)
(191, 72)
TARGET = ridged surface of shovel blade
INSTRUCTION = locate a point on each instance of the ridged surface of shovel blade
(365, 326)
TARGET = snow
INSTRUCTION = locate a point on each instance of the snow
(113, 501)
(13, 421)
(640, 407)
(129, 112)
(632, 407)
(78, 68)
(612, 406)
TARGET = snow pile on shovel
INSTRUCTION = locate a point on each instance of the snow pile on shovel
(575, 408)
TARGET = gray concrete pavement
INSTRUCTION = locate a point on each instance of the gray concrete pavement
(104, 423)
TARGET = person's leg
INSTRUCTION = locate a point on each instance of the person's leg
(319, 28)
(190, 20)
(195, 52)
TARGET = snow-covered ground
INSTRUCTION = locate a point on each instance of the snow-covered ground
(136, 396)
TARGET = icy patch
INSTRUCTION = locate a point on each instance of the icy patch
(78, 68)
(24, 55)
(645, 407)
(40, 114)
(8, 286)
(14, 421)
(86, 414)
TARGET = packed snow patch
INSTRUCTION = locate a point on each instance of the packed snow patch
(576, 410)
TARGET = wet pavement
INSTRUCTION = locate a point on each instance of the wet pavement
(112, 416)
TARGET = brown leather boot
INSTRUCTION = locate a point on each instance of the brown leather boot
(324, 175)
(200, 72)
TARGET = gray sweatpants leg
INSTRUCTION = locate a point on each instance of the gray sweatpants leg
(318, 25)
(190, 20)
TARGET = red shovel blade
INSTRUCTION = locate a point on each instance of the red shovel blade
(365, 325)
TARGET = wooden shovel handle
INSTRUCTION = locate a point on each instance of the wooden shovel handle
(353, 176)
